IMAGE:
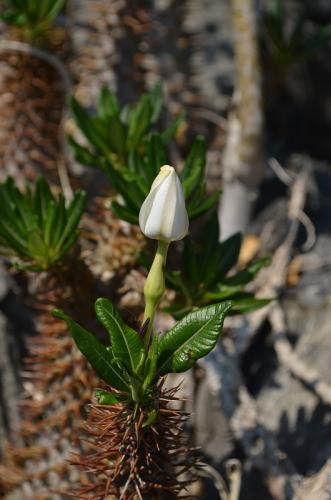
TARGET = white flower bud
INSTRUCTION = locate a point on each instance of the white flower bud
(163, 214)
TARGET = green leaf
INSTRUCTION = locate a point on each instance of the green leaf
(125, 342)
(59, 221)
(221, 292)
(209, 253)
(151, 417)
(156, 100)
(228, 254)
(170, 132)
(92, 129)
(191, 338)
(54, 9)
(74, 213)
(246, 302)
(43, 198)
(100, 358)
(124, 213)
(108, 104)
(82, 154)
(156, 157)
(128, 190)
(140, 120)
(193, 170)
(106, 398)
(13, 238)
(116, 137)
(248, 274)
(201, 205)
(29, 218)
(151, 363)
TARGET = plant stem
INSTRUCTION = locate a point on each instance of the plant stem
(154, 287)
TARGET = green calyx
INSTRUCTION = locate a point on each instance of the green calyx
(154, 287)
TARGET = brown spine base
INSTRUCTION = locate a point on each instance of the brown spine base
(129, 461)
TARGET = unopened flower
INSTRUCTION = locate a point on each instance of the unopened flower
(163, 214)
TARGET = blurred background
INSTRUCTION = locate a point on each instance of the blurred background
(253, 78)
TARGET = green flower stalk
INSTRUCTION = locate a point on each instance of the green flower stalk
(163, 217)
(154, 287)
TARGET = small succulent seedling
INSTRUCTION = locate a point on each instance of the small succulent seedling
(127, 145)
(33, 17)
(36, 227)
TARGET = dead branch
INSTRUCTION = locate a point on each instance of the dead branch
(243, 164)
(287, 356)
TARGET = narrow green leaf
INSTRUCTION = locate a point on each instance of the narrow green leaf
(151, 363)
(54, 9)
(140, 121)
(116, 137)
(125, 342)
(151, 417)
(89, 126)
(100, 358)
(201, 205)
(246, 303)
(193, 171)
(170, 132)
(50, 222)
(108, 104)
(13, 238)
(42, 198)
(221, 292)
(59, 221)
(106, 398)
(209, 252)
(29, 218)
(82, 154)
(128, 191)
(248, 274)
(191, 338)
(71, 240)
(73, 216)
(124, 213)
(156, 157)
(228, 255)
(156, 100)
(36, 245)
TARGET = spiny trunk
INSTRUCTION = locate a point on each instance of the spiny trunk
(33, 89)
(130, 461)
(58, 385)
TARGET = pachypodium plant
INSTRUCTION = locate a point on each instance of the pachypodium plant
(128, 146)
(38, 232)
(33, 17)
(139, 447)
(36, 228)
(210, 273)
